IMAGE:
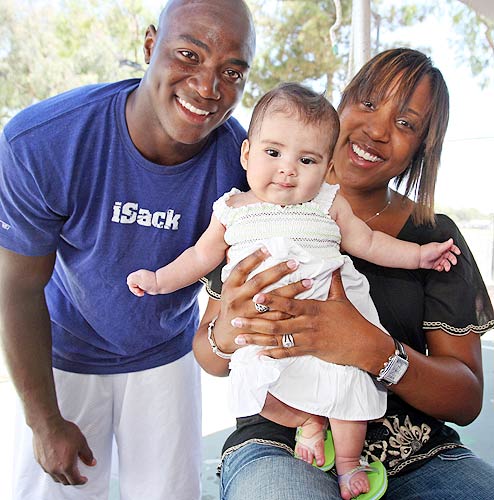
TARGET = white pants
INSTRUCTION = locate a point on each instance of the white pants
(154, 417)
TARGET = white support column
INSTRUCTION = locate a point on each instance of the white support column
(360, 47)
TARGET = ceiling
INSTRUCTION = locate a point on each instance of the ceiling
(483, 7)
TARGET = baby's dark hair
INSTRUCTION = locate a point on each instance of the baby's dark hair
(292, 98)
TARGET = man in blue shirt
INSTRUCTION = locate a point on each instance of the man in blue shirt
(94, 183)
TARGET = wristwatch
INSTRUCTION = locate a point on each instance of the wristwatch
(396, 366)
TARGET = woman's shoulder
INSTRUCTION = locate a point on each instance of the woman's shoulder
(442, 229)
(444, 222)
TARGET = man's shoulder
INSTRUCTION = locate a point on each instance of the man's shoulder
(233, 130)
(70, 105)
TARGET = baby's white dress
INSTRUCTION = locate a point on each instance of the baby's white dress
(307, 233)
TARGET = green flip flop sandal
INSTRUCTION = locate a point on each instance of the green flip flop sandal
(378, 480)
(329, 455)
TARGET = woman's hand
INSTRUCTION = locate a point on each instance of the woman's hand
(237, 299)
(332, 330)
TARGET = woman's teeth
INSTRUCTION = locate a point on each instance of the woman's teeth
(364, 155)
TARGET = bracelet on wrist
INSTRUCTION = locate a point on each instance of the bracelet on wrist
(212, 342)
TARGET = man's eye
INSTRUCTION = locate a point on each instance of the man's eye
(273, 153)
(188, 54)
(234, 75)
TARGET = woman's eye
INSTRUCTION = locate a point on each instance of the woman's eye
(406, 124)
(273, 153)
(368, 104)
(307, 161)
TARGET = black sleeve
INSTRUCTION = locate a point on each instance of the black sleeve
(213, 282)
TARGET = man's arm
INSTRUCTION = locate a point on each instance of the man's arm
(25, 334)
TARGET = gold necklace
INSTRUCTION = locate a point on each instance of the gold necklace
(377, 214)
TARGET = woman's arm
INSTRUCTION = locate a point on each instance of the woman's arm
(450, 376)
(207, 359)
(447, 384)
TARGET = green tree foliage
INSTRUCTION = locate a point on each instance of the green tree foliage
(474, 41)
(46, 48)
(295, 41)
(295, 44)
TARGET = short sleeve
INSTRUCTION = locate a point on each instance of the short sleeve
(326, 195)
(28, 224)
(457, 301)
(220, 208)
(213, 283)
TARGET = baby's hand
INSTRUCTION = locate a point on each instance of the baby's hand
(141, 282)
(439, 256)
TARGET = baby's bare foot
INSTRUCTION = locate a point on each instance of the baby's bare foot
(353, 482)
(310, 440)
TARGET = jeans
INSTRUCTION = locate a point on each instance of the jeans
(265, 472)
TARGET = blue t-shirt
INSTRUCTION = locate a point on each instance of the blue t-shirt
(72, 181)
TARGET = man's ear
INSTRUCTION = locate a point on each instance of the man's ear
(244, 153)
(149, 41)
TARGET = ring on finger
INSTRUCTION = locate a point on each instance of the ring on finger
(261, 308)
(287, 340)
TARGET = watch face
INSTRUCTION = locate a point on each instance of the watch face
(397, 368)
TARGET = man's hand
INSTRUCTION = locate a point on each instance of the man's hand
(58, 449)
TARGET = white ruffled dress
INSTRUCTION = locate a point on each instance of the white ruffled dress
(307, 233)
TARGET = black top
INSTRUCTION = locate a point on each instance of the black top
(408, 301)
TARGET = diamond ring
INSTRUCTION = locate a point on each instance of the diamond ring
(261, 308)
(287, 340)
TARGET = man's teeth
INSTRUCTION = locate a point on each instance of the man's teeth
(192, 109)
(363, 154)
